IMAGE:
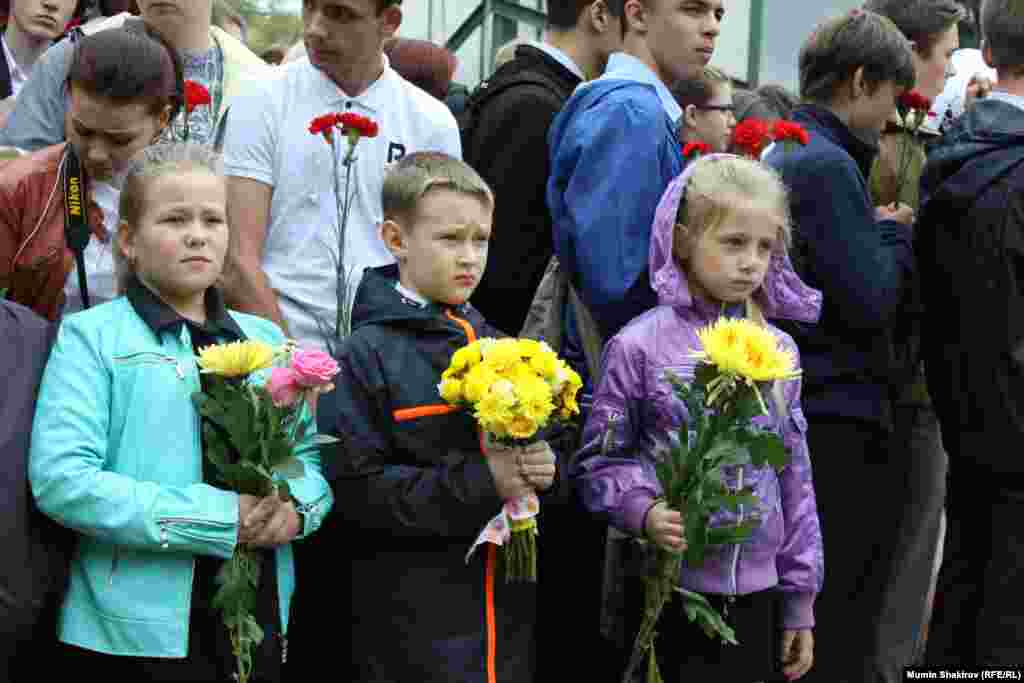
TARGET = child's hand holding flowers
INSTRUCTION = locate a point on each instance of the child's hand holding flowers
(664, 526)
(521, 471)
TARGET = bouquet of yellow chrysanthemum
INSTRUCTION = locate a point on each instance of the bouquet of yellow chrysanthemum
(739, 359)
(251, 425)
(515, 388)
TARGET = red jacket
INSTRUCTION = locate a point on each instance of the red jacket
(34, 258)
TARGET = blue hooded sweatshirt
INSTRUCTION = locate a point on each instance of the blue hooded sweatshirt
(613, 151)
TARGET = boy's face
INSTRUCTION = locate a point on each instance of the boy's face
(871, 110)
(181, 238)
(442, 250)
(713, 123)
(681, 35)
(933, 71)
(728, 263)
(341, 35)
(42, 19)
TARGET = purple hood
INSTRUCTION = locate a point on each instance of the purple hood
(782, 296)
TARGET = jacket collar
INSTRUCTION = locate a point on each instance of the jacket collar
(627, 67)
(160, 317)
(829, 125)
(555, 58)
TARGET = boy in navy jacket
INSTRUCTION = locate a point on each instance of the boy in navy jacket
(413, 484)
(852, 70)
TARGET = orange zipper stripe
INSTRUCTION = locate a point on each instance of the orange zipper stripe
(492, 645)
(470, 333)
(423, 411)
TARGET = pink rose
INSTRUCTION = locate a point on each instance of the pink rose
(313, 368)
(284, 387)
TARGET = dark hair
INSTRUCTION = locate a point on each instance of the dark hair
(921, 21)
(127, 64)
(699, 91)
(768, 102)
(563, 14)
(1002, 29)
(423, 64)
(840, 46)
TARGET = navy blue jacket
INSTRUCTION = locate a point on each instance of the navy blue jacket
(861, 265)
(971, 252)
(413, 491)
(36, 552)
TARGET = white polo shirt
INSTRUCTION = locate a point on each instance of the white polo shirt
(268, 140)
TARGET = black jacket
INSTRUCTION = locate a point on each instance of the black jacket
(508, 147)
(970, 246)
(412, 492)
(33, 572)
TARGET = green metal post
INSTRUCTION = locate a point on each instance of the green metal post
(756, 37)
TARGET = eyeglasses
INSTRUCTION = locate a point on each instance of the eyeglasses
(717, 107)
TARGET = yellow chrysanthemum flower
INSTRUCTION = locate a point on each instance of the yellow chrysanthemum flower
(503, 355)
(528, 348)
(545, 364)
(478, 382)
(522, 427)
(236, 359)
(493, 413)
(450, 389)
(465, 358)
(741, 347)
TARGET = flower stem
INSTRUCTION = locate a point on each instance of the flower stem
(660, 587)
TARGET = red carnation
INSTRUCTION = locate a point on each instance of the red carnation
(196, 95)
(324, 125)
(751, 137)
(783, 131)
(696, 149)
(914, 101)
(366, 127)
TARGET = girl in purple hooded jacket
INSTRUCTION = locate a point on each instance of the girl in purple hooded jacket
(718, 247)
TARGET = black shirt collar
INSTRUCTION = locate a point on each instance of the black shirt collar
(160, 317)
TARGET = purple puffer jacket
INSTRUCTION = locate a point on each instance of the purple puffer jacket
(634, 408)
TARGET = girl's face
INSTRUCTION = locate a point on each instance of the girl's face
(178, 246)
(727, 264)
(106, 133)
(932, 72)
(712, 123)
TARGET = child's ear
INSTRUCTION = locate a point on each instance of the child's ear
(690, 116)
(681, 242)
(858, 85)
(126, 241)
(393, 236)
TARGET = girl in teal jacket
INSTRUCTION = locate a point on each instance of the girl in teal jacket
(116, 449)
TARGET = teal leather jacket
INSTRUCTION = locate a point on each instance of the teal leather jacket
(116, 456)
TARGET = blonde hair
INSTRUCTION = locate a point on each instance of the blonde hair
(418, 173)
(156, 161)
(715, 180)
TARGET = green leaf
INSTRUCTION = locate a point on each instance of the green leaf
(767, 448)
(292, 468)
(704, 374)
(3, 293)
(701, 612)
(732, 535)
(746, 406)
(665, 478)
(727, 453)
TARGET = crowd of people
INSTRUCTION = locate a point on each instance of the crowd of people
(593, 191)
